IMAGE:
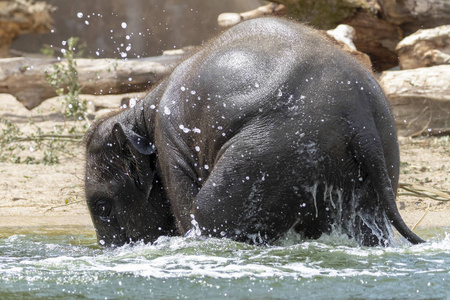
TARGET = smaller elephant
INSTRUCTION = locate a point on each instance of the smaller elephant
(267, 128)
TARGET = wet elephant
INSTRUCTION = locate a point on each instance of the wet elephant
(267, 128)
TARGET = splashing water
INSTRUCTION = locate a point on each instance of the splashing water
(34, 266)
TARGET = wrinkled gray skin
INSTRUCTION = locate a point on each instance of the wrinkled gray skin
(267, 128)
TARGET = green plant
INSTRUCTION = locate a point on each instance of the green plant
(64, 78)
(16, 146)
(39, 146)
(48, 51)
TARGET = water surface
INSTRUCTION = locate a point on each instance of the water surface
(63, 263)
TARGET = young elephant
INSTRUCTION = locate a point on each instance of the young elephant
(268, 128)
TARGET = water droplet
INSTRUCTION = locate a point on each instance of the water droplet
(124, 25)
(206, 167)
(80, 15)
(86, 22)
(182, 88)
(197, 148)
(166, 110)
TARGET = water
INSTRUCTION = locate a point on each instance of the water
(66, 263)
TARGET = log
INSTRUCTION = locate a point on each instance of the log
(230, 19)
(21, 17)
(420, 99)
(25, 78)
(424, 48)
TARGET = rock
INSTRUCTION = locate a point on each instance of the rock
(21, 17)
(342, 37)
(343, 33)
(420, 99)
(425, 48)
(412, 14)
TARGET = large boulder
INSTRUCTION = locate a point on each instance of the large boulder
(420, 99)
(424, 48)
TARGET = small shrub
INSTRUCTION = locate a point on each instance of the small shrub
(64, 78)
(17, 146)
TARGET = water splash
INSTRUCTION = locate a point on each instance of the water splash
(195, 231)
(347, 214)
(222, 269)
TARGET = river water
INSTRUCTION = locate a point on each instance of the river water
(63, 263)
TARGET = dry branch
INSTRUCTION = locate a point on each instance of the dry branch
(423, 191)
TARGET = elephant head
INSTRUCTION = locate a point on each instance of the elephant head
(123, 190)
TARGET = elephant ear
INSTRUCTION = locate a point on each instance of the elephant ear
(136, 150)
(136, 143)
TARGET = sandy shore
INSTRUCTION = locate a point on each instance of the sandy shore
(52, 196)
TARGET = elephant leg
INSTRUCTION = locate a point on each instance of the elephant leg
(244, 200)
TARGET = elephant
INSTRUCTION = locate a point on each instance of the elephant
(265, 129)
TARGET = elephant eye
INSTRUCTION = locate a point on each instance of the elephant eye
(104, 209)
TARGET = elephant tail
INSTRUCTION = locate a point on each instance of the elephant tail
(369, 153)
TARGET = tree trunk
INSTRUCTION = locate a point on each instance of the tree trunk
(25, 78)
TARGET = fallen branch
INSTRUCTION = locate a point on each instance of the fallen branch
(423, 217)
(421, 191)
(60, 137)
(64, 205)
